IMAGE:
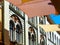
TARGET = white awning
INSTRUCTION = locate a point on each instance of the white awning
(51, 28)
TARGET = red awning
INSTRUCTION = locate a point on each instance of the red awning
(35, 8)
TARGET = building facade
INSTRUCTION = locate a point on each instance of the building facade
(28, 25)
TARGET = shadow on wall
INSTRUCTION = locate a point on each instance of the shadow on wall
(56, 4)
(1, 0)
(6, 37)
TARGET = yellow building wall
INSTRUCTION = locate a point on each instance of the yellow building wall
(0, 15)
(0, 25)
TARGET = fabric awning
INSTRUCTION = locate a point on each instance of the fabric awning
(49, 28)
(35, 8)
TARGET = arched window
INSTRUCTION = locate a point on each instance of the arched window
(15, 27)
(31, 36)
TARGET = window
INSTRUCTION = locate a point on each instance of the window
(32, 36)
(50, 35)
(44, 20)
(11, 4)
(17, 9)
(39, 20)
(17, 33)
(36, 21)
(57, 40)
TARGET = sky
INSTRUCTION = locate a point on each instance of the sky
(55, 18)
